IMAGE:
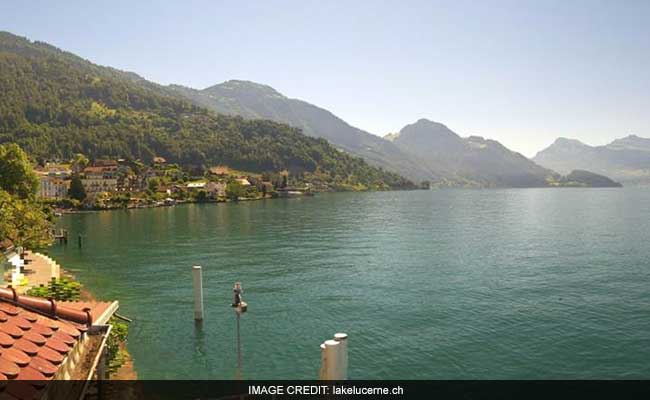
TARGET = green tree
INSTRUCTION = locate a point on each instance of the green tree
(22, 220)
(77, 190)
(153, 184)
(79, 162)
(234, 190)
(16, 173)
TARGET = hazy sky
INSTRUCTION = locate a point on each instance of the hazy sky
(521, 72)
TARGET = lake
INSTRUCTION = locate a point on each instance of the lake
(447, 284)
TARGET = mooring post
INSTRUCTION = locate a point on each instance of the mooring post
(331, 360)
(322, 374)
(197, 276)
(334, 358)
(342, 338)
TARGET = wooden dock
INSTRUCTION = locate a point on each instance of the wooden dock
(61, 235)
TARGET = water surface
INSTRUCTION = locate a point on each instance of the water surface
(448, 284)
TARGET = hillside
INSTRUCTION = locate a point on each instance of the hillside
(472, 161)
(626, 160)
(253, 100)
(55, 104)
(424, 151)
(582, 178)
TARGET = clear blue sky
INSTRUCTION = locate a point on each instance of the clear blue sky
(521, 72)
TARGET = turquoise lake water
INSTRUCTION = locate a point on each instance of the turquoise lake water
(449, 284)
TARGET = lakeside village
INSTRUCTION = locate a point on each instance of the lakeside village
(51, 328)
(111, 184)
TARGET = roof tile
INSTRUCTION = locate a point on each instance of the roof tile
(50, 355)
(33, 337)
(57, 345)
(16, 356)
(35, 377)
(11, 329)
(8, 368)
(41, 330)
(43, 366)
(8, 309)
(6, 340)
(22, 323)
(26, 347)
(64, 337)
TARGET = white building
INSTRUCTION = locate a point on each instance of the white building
(53, 188)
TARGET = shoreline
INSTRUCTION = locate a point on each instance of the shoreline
(178, 203)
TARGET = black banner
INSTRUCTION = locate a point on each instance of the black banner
(214, 390)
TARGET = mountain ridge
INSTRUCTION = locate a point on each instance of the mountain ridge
(626, 159)
(313, 120)
(56, 104)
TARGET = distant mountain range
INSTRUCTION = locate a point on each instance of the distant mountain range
(626, 160)
(55, 104)
(256, 101)
(472, 161)
(423, 151)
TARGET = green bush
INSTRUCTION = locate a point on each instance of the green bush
(118, 335)
(64, 289)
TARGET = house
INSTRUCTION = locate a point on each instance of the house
(220, 171)
(216, 190)
(196, 185)
(166, 190)
(44, 340)
(159, 161)
(243, 181)
(98, 179)
(55, 170)
(51, 187)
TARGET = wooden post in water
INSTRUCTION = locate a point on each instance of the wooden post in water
(342, 367)
(334, 358)
(197, 278)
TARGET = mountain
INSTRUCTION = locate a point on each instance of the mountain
(253, 100)
(55, 104)
(424, 151)
(626, 160)
(580, 178)
(472, 161)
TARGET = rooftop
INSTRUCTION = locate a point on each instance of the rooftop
(42, 339)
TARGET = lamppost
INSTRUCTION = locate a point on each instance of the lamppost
(240, 307)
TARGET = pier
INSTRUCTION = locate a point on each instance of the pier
(61, 235)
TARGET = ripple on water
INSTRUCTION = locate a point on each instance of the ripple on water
(428, 284)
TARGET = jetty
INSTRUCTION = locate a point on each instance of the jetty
(61, 235)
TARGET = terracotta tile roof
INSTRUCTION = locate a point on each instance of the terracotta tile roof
(36, 336)
(219, 170)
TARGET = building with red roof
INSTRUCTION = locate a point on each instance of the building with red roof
(43, 340)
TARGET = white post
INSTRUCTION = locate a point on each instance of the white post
(342, 366)
(198, 292)
(331, 360)
(323, 363)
